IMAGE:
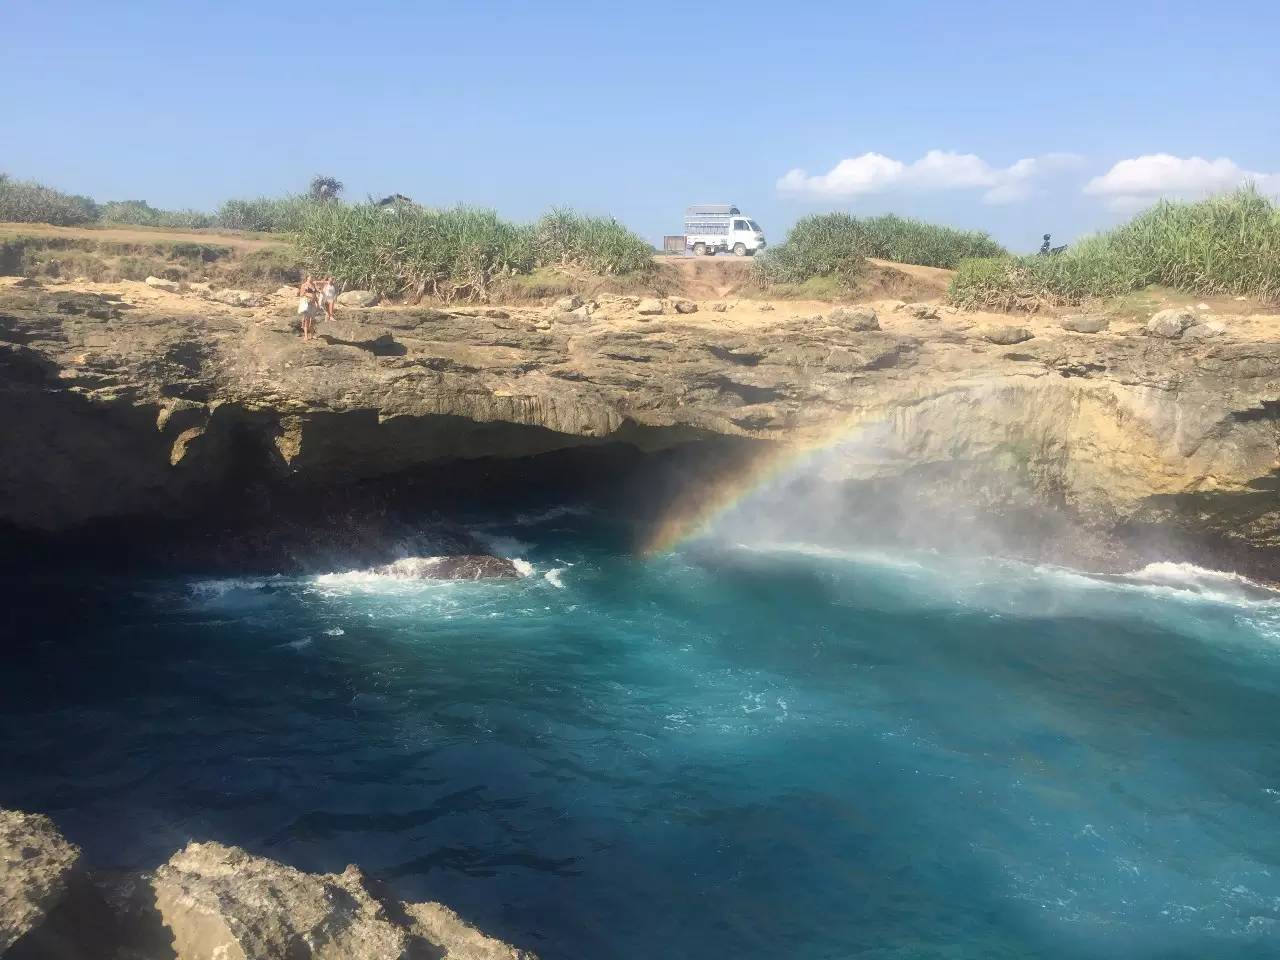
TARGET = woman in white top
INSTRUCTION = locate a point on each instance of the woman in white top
(328, 296)
(308, 306)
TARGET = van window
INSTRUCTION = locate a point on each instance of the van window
(740, 225)
(755, 226)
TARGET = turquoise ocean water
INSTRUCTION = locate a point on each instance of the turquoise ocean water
(759, 751)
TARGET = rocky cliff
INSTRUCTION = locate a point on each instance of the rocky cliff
(132, 401)
(210, 902)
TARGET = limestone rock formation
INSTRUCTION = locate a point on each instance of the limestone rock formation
(119, 409)
(1085, 323)
(921, 311)
(649, 307)
(160, 283)
(857, 319)
(1171, 323)
(358, 298)
(568, 304)
(1203, 331)
(213, 902)
(1005, 334)
(222, 903)
(36, 863)
(235, 298)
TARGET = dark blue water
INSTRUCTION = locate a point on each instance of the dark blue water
(719, 753)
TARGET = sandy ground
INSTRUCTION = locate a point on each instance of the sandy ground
(238, 241)
(1242, 320)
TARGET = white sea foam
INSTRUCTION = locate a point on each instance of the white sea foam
(300, 644)
(523, 567)
(405, 572)
(1191, 577)
(334, 632)
(1000, 583)
(553, 577)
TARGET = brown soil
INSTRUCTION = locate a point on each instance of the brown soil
(238, 241)
(904, 281)
(706, 278)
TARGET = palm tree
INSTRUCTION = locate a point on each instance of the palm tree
(325, 188)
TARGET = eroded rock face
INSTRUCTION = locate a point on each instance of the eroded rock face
(36, 863)
(117, 409)
(222, 903)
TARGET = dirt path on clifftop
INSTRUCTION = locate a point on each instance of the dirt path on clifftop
(715, 278)
(707, 278)
(141, 235)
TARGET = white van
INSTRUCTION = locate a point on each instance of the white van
(710, 228)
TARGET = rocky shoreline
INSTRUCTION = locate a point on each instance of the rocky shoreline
(210, 901)
(133, 406)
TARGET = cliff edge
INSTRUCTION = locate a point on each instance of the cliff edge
(126, 399)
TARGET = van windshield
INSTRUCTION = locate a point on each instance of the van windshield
(755, 226)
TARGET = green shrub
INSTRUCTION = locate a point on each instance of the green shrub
(458, 253)
(1224, 245)
(599, 244)
(837, 244)
(450, 254)
(141, 213)
(28, 202)
(266, 214)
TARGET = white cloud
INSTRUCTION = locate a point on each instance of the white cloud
(1138, 181)
(873, 173)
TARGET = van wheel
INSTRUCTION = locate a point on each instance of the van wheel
(739, 249)
(710, 251)
(699, 249)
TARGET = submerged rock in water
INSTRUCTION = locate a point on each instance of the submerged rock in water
(220, 901)
(36, 862)
(469, 567)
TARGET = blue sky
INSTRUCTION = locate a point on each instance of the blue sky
(640, 109)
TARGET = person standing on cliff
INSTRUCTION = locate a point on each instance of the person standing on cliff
(308, 306)
(328, 297)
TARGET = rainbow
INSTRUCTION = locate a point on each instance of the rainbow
(696, 510)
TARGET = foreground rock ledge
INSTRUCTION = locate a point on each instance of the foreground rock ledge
(214, 902)
(35, 864)
(225, 904)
